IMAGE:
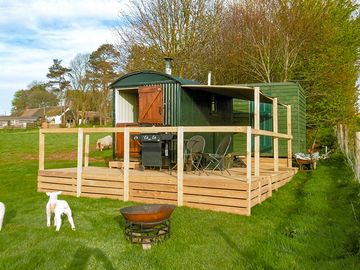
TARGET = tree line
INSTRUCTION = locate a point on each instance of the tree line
(314, 42)
(83, 86)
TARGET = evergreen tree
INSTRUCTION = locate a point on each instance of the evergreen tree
(57, 79)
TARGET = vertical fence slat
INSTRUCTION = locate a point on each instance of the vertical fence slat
(41, 150)
(357, 149)
(289, 142)
(346, 140)
(275, 140)
(257, 126)
(248, 167)
(79, 161)
(87, 144)
(341, 137)
(126, 162)
(180, 165)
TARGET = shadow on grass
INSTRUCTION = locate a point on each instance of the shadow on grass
(295, 208)
(120, 220)
(9, 215)
(247, 254)
(83, 255)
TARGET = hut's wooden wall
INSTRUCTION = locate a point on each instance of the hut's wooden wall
(287, 93)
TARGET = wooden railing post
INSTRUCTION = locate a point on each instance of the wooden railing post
(41, 150)
(257, 126)
(87, 143)
(126, 162)
(180, 165)
(248, 166)
(275, 140)
(79, 161)
(289, 142)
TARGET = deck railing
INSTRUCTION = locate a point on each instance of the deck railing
(180, 148)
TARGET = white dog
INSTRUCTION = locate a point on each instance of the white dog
(2, 214)
(58, 207)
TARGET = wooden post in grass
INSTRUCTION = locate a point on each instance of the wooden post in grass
(180, 165)
(79, 161)
(289, 141)
(341, 137)
(346, 141)
(126, 162)
(257, 126)
(248, 166)
(41, 150)
(275, 140)
(87, 143)
(357, 149)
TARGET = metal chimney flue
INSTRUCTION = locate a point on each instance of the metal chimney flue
(168, 65)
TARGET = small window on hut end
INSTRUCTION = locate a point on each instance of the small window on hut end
(213, 109)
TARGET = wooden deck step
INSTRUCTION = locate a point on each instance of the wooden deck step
(120, 164)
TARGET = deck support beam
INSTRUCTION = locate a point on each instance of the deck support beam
(289, 141)
(180, 165)
(79, 161)
(126, 162)
(257, 126)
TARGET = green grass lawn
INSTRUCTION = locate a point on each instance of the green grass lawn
(310, 223)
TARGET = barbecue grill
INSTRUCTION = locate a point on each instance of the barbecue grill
(154, 149)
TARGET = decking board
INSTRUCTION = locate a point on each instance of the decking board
(215, 191)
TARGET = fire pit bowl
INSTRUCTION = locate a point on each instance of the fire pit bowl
(148, 223)
(147, 213)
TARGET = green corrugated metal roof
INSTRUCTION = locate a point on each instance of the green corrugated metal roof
(233, 91)
(147, 77)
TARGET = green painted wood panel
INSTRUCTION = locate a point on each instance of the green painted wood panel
(287, 93)
(196, 111)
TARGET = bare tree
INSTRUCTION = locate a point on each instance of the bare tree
(79, 65)
(268, 37)
(182, 29)
(78, 98)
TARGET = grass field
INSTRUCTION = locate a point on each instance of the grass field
(310, 223)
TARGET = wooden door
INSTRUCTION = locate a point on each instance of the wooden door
(134, 145)
(151, 105)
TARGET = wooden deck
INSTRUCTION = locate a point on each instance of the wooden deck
(212, 190)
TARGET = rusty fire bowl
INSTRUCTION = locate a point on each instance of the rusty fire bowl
(147, 213)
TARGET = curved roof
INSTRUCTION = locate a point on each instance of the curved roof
(145, 77)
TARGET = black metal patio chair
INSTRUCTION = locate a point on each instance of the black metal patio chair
(216, 160)
(194, 152)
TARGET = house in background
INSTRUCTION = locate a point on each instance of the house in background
(17, 121)
(28, 118)
(34, 117)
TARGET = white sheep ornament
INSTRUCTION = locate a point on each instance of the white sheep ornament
(2, 214)
(58, 207)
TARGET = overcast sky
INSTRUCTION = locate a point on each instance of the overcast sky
(34, 32)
